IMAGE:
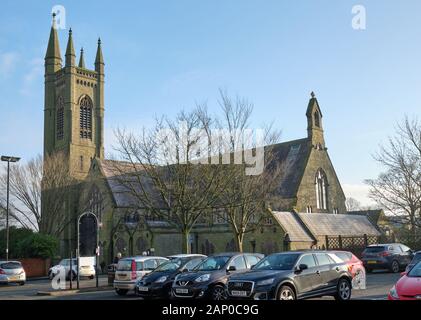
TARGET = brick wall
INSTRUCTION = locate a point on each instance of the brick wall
(35, 267)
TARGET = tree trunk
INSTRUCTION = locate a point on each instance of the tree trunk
(185, 241)
(239, 241)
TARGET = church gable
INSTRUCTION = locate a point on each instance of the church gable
(319, 189)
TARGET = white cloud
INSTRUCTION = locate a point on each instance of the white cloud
(34, 76)
(358, 192)
(8, 61)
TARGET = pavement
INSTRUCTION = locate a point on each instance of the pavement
(378, 286)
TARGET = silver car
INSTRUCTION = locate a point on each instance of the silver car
(131, 269)
(12, 272)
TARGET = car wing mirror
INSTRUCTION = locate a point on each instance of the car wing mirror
(403, 273)
(301, 267)
(232, 268)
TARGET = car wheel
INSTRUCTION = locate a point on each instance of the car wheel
(218, 293)
(22, 283)
(51, 275)
(121, 292)
(344, 290)
(91, 277)
(394, 267)
(286, 293)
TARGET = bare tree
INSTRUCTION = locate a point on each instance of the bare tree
(167, 170)
(48, 179)
(352, 204)
(244, 201)
(398, 188)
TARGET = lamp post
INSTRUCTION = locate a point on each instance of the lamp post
(8, 159)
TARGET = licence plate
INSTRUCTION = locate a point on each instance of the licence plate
(182, 291)
(372, 262)
(143, 288)
(14, 278)
(236, 293)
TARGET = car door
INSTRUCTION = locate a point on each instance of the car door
(306, 280)
(325, 271)
(398, 254)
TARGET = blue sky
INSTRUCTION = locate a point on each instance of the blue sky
(162, 56)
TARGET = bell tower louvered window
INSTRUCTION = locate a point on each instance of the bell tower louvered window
(60, 119)
(86, 118)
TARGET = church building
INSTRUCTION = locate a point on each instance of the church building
(309, 203)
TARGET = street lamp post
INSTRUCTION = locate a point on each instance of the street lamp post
(8, 159)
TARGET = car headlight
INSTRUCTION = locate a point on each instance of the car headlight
(394, 293)
(265, 282)
(161, 279)
(203, 278)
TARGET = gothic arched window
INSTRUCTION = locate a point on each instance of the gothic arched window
(96, 204)
(321, 190)
(60, 119)
(317, 119)
(86, 118)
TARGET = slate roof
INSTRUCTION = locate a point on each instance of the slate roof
(322, 224)
(292, 226)
(113, 172)
(372, 215)
(293, 155)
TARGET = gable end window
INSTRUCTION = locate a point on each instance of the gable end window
(321, 189)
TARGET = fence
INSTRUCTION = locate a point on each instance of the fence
(357, 244)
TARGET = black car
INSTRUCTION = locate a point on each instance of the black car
(414, 261)
(392, 256)
(158, 283)
(293, 275)
(208, 279)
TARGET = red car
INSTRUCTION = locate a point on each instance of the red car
(355, 268)
(408, 286)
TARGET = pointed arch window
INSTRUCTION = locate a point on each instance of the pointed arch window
(96, 203)
(60, 119)
(86, 118)
(317, 119)
(321, 189)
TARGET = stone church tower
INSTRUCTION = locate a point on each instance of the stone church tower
(74, 106)
(73, 116)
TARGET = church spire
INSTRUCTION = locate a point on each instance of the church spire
(99, 60)
(81, 59)
(70, 51)
(53, 48)
(314, 122)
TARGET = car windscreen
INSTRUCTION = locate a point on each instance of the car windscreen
(170, 265)
(374, 249)
(213, 263)
(278, 262)
(415, 272)
(10, 265)
(124, 265)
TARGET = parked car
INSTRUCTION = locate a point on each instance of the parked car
(408, 286)
(414, 261)
(355, 268)
(12, 272)
(208, 279)
(158, 283)
(293, 275)
(392, 256)
(86, 269)
(130, 270)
